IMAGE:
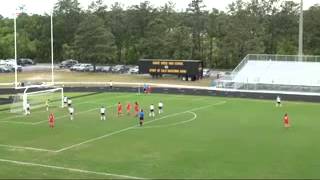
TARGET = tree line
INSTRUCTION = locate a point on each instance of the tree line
(109, 35)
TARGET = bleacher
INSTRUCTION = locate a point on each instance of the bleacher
(274, 73)
(280, 72)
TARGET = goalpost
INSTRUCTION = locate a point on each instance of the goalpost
(37, 99)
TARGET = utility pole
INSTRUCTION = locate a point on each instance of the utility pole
(300, 53)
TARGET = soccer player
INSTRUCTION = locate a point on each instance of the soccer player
(278, 101)
(128, 108)
(103, 113)
(65, 101)
(69, 102)
(47, 104)
(28, 109)
(151, 110)
(119, 108)
(149, 89)
(286, 121)
(136, 108)
(145, 86)
(110, 84)
(160, 107)
(71, 112)
(51, 120)
(141, 117)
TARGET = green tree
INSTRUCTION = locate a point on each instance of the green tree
(93, 42)
(67, 17)
(196, 21)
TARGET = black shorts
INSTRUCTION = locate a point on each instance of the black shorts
(141, 118)
(28, 109)
(279, 102)
(69, 105)
(71, 114)
(102, 114)
(160, 107)
(65, 102)
(151, 110)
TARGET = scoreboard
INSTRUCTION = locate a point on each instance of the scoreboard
(183, 68)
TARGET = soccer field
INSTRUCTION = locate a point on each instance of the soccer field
(195, 137)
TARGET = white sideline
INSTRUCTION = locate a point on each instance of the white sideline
(68, 169)
(131, 127)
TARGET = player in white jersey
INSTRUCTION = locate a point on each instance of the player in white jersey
(103, 113)
(65, 101)
(69, 102)
(160, 107)
(278, 101)
(28, 109)
(152, 111)
(71, 112)
(47, 104)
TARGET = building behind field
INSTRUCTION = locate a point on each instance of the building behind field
(275, 73)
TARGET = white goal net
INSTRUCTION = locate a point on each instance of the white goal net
(37, 100)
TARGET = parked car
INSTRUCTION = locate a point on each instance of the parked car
(106, 69)
(75, 67)
(85, 68)
(134, 70)
(206, 72)
(4, 69)
(88, 68)
(68, 63)
(25, 62)
(117, 68)
(12, 67)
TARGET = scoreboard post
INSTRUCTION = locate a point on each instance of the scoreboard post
(185, 69)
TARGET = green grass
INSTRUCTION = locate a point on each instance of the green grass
(228, 138)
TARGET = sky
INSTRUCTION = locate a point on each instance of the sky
(7, 7)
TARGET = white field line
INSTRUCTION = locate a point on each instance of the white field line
(16, 116)
(42, 149)
(22, 163)
(39, 122)
(131, 127)
(27, 148)
(36, 123)
(171, 124)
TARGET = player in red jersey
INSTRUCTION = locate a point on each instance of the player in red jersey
(149, 89)
(119, 108)
(128, 108)
(286, 121)
(51, 120)
(136, 108)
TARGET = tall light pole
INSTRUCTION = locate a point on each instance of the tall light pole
(15, 51)
(51, 24)
(300, 53)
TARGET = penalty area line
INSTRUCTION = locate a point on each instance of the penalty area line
(171, 124)
(132, 127)
(22, 163)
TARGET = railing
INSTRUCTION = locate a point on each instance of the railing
(275, 57)
(240, 66)
(228, 82)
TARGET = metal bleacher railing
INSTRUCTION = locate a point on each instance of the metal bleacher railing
(228, 82)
